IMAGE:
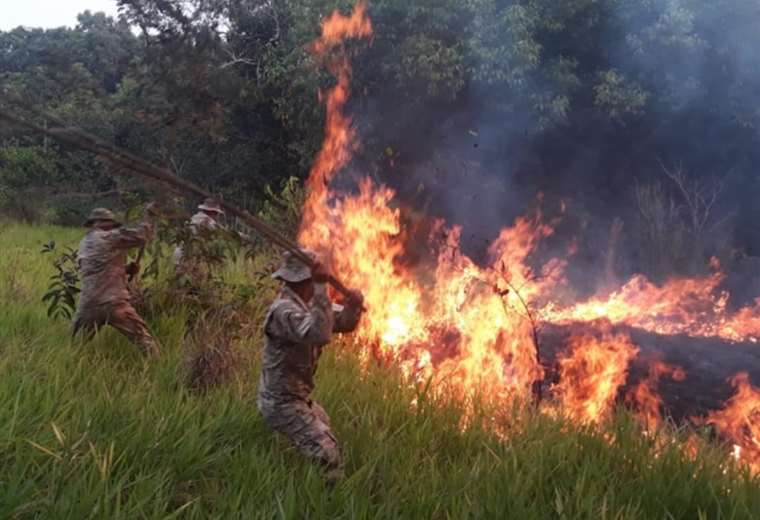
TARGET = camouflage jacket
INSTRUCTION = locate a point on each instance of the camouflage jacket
(102, 258)
(200, 222)
(295, 333)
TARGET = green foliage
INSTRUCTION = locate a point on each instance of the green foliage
(64, 283)
(504, 44)
(618, 98)
(224, 92)
(430, 67)
(26, 172)
(24, 166)
(283, 208)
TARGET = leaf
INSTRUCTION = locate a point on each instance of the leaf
(69, 299)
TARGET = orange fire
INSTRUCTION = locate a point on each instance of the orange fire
(591, 373)
(339, 136)
(451, 319)
(458, 325)
(644, 396)
(744, 324)
(691, 306)
(472, 329)
(739, 421)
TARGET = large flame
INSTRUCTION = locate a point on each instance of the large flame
(339, 136)
(472, 329)
(456, 319)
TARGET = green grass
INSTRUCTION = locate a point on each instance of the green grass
(93, 431)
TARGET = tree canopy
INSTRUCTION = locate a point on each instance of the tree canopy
(583, 100)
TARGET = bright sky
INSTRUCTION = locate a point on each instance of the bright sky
(49, 13)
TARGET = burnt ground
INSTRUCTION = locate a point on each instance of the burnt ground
(708, 362)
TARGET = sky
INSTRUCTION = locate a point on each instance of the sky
(48, 13)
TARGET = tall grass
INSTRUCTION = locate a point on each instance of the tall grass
(94, 431)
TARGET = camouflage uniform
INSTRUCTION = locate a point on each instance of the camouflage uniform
(105, 297)
(200, 222)
(295, 333)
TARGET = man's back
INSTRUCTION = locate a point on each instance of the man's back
(102, 258)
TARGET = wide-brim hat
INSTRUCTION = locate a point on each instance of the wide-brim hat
(101, 215)
(293, 270)
(211, 205)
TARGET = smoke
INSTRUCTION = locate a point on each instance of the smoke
(683, 93)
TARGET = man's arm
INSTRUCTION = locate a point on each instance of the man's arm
(128, 238)
(347, 315)
(290, 322)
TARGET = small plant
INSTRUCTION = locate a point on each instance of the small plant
(282, 208)
(203, 255)
(64, 284)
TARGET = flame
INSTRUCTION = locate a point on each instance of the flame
(460, 325)
(644, 395)
(592, 372)
(739, 421)
(339, 135)
(691, 306)
(470, 329)
(744, 324)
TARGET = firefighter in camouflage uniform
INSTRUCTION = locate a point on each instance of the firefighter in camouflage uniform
(105, 298)
(298, 325)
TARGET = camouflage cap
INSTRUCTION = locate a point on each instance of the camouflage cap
(100, 215)
(211, 205)
(293, 270)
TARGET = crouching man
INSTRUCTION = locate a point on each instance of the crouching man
(298, 325)
(105, 297)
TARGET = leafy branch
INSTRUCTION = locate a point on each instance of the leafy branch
(64, 284)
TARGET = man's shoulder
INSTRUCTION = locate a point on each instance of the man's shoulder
(284, 303)
(201, 219)
(279, 314)
(93, 237)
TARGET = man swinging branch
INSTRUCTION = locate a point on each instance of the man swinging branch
(298, 325)
(105, 297)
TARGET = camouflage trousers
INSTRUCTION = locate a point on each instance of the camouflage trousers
(307, 426)
(121, 316)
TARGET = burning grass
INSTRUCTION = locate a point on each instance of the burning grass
(93, 431)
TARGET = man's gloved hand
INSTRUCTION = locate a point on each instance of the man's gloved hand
(320, 273)
(355, 299)
(133, 268)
